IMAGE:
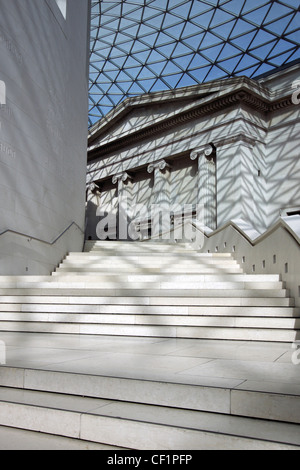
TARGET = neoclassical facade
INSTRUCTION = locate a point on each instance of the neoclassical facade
(222, 151)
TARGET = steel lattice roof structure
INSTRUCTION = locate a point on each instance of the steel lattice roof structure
(142, 46)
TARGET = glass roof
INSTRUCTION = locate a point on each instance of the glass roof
(142, 46)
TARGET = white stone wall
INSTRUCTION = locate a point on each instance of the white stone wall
(43, 57)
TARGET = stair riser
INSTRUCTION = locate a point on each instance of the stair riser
(241, 295)
(144, 301)
(192, 332)
(151, 255)
(170, 320)
(292, 313)
(153, 260)
(130, 269)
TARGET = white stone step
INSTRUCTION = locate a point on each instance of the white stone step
(131, 246)
(171, 277)
(59, 281)
(84, 289)
(145, 255)
(151, 258)
(156, 320)
(147, 414)
(137, 309)
(155, 331)
(135, 426)
(199, 302)
(22, 440)
(130, 268)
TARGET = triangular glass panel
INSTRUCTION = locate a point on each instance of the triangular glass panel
(198, 61)
(213, 52)
(173, 80)
(181, 49)
(248, 72)
(220, 17)
(136, 88)
(194, 41)
(149, 39)
(257, 16)
(243, 42)
(171, 68)
(277, 11)
(242, 27)
(159, 85)
(155, 57)
(230, 64)
(224, 30)
(166, 51)
(200, 74)
(262, 37)
(175, 31)
(210, 40)
(280, 59)
(181, 10)
(247, 62)
(215, 74)
(157, 68)
(234, 7)
(295, 24)
(250, 5)
(264, 68)
(183, 61)
(147, 83)
(186, 80)
(204, 20)
(191, 29)
(281, 47)
(198, 8)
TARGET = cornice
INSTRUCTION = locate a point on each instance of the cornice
(243, 96)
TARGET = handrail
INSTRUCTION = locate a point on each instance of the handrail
(39, 239)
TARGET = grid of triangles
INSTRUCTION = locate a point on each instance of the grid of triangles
(142, 46)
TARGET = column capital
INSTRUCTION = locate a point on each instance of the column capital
(92, 187)
(159, 165)
(206, 150)
(121, 177)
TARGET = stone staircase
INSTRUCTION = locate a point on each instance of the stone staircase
(150, 290)
(147, 291)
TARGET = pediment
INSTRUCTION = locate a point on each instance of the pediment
(144, 116)
(141, 117)
(141, 112)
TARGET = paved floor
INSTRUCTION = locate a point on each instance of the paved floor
(272, 367)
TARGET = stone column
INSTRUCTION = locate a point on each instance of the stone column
(125, 212)
(161, 193)
(206, 184)
(237, 186)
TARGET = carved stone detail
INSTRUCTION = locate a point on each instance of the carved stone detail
(160, 165)
(208, 151)
(121, 177)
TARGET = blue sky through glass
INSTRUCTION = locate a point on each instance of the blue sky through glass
(142, 46)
